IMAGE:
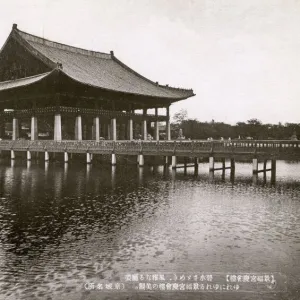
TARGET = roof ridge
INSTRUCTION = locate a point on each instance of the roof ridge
(131, 70)
(37, 39)
(145, 78)
(174, 88)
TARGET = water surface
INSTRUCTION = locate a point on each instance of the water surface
(65, 224)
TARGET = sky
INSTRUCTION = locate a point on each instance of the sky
(241, 57)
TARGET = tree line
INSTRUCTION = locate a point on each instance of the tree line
(253, 128)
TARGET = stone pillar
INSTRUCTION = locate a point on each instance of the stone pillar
(166, 162)
(28, 155)
(156, 126)
(46, 156)
(78, 128)
(113, 159)
(144, 130)
(114, 129)
(34, 128)
(88, 158)
(255, 166)
(66, 157)
(173, 162)
(211, 164)
(144, 125)
(15, 133)
(168, 127)
(12, 154)
(141, 160)
(130, 129)
(57, 127)
(96, 128)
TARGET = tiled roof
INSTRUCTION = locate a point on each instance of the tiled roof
(101, 70)
(6, 85)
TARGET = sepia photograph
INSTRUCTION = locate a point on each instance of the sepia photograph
(149, 149)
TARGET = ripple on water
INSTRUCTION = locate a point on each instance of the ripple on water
(51, 245)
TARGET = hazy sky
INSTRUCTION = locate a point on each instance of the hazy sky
(241, 57)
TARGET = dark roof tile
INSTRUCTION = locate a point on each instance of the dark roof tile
(101, 70)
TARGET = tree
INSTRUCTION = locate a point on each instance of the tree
(181, 116)
(254, 122)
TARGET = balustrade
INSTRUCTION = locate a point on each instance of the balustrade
(156, 147)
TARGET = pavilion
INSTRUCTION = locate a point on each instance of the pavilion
(45, 82)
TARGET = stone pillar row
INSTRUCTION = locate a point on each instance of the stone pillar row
(111, 128)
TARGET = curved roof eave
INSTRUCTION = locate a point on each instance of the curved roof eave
(182, 94)
(172, 99)
(23, 82)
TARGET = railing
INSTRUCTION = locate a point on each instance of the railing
(183, 148)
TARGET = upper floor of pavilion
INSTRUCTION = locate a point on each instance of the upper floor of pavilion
(32, 67)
